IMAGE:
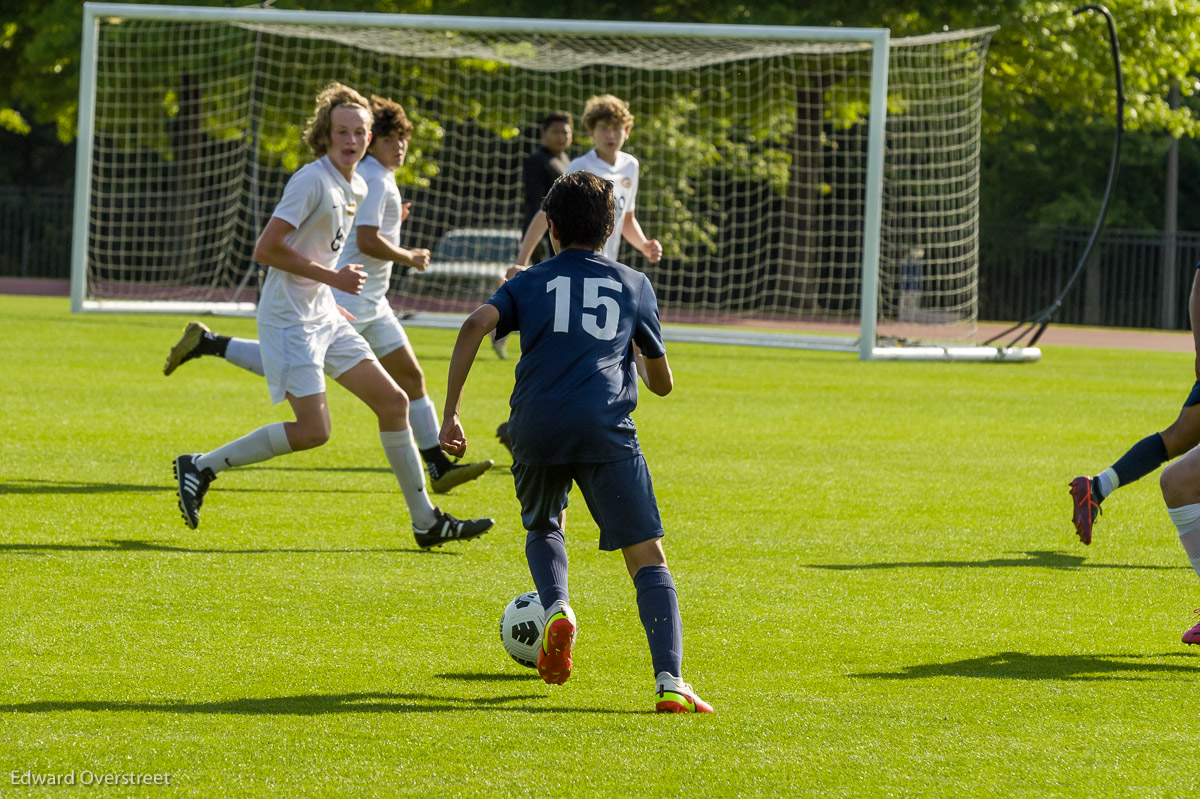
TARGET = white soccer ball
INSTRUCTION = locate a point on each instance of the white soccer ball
(521, 628)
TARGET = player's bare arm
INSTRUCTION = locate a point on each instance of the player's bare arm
(272, 250)
(631, 229)
(656, 374)
(479, 324)
(533, 234)
(372, 243)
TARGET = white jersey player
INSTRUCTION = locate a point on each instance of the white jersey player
(623, 175)
(373, 243)
(303, 336)
(608, 123)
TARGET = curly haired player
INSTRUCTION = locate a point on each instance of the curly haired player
(303, 337)
(376, 245)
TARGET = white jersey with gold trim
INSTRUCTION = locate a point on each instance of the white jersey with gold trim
(624, 177)
(320, 204)
(381, 209)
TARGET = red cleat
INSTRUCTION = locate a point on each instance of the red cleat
(1192, 636)
(554, 658)
(1087, 507)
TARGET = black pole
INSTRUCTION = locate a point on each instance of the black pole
(1039, 321)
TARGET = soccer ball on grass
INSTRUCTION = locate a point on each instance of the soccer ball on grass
(521, 628)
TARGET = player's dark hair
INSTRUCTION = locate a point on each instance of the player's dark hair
(389, 118)
(555, 117)
(582, 209)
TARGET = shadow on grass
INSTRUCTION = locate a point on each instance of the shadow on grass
(499, 469)
(532, 675)
(118, 545)
(314, 705)
(76, 487)
(1023, 666)
(1038, 559)
(347, 469)
(30, 486)
(80, 487)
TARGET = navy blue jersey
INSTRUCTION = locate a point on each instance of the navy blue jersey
(576, 385)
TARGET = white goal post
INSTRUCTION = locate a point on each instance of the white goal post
(812, 187)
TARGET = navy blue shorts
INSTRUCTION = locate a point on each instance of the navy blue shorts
(1194, 397)
(618, 494)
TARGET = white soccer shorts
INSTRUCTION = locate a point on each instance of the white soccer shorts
(296, 359)
(385, 334)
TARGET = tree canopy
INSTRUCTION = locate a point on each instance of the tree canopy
(1045, 62)
(1049, 72)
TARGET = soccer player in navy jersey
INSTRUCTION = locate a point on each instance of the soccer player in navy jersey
(589, 326)
(1147, 454)
(1180, 481)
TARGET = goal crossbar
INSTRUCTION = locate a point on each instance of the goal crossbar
(364, 19)
(876, 44)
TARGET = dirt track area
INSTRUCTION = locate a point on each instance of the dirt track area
(1065, 335)
(1105, 337)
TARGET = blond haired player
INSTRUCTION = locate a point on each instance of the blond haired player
(376, 245)
(303, 337)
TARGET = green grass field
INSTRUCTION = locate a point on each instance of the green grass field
(880, 586)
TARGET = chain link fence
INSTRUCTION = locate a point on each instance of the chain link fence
(1128, 283)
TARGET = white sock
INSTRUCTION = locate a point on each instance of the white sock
(559, 606)
(422, 418)
(261, 445)
(1107, 482)
(1187, 521)
(405, 461)
(670, 682)
(245, 353)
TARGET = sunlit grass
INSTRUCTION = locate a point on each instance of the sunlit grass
(880, 587)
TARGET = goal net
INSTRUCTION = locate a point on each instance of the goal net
(810, 187)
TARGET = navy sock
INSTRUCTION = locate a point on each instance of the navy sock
(546, 553)
(658, 606)
(1141, 459)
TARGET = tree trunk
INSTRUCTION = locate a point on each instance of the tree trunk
(799, 269)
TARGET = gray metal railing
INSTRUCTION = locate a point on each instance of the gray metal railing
(1021, 267)
(35, 231)
(1125, 284)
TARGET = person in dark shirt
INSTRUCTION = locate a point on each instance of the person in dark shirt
(589, 327)
(543, 166)
(1179, 482)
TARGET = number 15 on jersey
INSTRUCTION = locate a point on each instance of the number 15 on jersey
(600, 312)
